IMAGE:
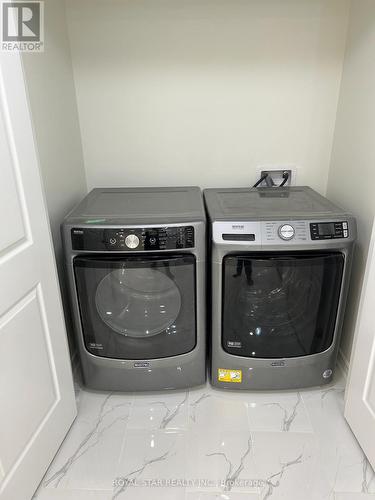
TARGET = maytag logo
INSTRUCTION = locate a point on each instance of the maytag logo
(141, 364)
(278, 363)
(238, 226)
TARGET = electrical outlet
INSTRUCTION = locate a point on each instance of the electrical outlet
(275, 175)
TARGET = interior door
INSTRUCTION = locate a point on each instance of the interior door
(36, 389)
(360, 395)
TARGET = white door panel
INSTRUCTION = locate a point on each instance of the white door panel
(360, 396)
(10, 208)
(32, 392)
(36, 388)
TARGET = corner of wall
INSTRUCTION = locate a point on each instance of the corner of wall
(52, 101)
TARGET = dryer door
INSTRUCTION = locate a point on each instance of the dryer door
(137, 307)
(280, 305)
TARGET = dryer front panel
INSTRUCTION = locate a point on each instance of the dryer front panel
(137, 307)
(280, 305)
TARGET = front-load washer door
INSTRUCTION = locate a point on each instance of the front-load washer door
(280, 305)
(137, 307)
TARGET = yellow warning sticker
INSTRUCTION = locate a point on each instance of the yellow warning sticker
(224, 375)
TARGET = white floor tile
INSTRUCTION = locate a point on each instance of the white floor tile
(198, 495)
(160, 411)
(278, 412)
(341, 463)
(150, 493)
(218, 410)
(284, 462)
(207, 444)
(221, 461)
(63, 494)
(151, 457)
(89, 454)
(354, 496)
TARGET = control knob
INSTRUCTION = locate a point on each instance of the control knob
(286, 232)
(132, 241)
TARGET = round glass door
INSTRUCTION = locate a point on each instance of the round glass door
(138, 302)
(278, 305)
(277, 296)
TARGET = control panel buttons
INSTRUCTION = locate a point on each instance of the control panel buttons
(286, 232)
(329, 230)
(137, 239)
(132, 241)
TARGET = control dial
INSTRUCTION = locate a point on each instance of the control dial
(286, 232)
(132, 241)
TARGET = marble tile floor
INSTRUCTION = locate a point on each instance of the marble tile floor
(206, 444)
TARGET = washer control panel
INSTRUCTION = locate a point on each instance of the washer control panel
(301, 231)
(329, 230)
(293, 231)
(132, 239)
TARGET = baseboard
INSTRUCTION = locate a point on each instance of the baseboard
(343, 363)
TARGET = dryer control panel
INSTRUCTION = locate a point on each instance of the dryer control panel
(281, 232)
(132, 239)
(329, 230)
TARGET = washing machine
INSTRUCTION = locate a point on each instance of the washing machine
(280, 267)
(135, 260)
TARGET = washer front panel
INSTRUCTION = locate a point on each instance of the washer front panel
(137, 307)
(280, 305)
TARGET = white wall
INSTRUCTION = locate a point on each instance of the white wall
(51, 90)
(202, 91)
(352, 173)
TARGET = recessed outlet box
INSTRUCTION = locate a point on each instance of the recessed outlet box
(276, 176)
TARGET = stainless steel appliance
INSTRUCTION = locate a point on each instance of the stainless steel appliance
(135, 260)
(280, 266)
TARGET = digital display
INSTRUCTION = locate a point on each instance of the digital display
(326, 229)
(329, 230)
